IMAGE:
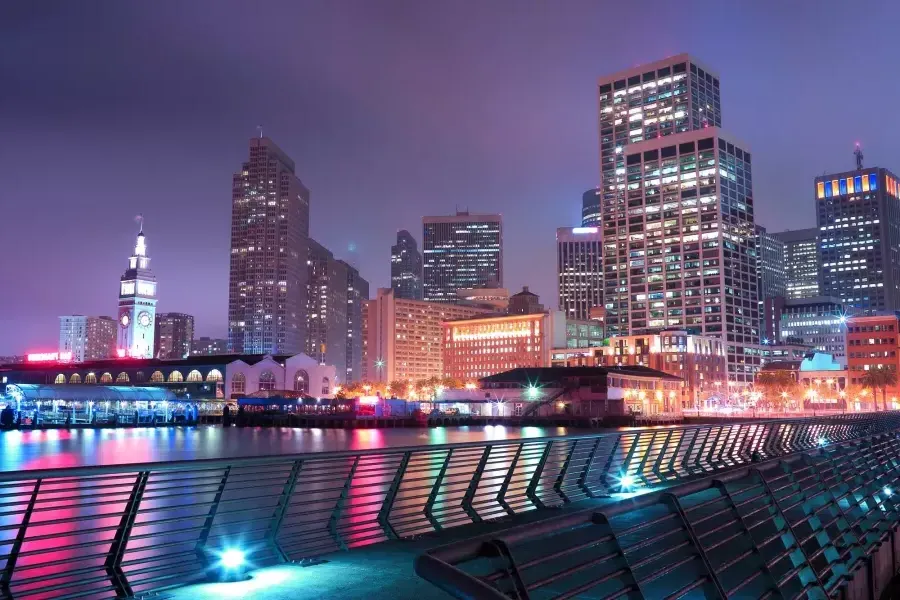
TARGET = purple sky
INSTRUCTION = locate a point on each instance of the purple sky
(391, 110)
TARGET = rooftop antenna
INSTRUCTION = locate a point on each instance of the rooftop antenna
(259, 129)
(859, 157)
(140, 220)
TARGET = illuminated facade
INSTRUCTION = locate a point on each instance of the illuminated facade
(683, 256)
(590, 208)
(858, 214)
(174, 335)
(404, 341)
(357, 296)
(816, 322)
(872, 344)
(801, 262)
(326, 327)
(579, 270)
(482, 346)
(698, 360)
(137, 304)
(269, 245)
(770, 276)
(406, 267)
(87, 338)
(461, 251)
(206, 346)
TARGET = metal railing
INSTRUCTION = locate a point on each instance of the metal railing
(124, 530)
(824, 523)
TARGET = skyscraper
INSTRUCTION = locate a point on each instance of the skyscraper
(769, 264)
(683, 255)
(579, 270)
(269, 239)
(461, 251)
(406, 267)
(137, 304)
(801, 262)
(326, 339)
(590, 208)
(87, 338)
(656, 100)
(858, 213)
(174, 335)
(357, 295)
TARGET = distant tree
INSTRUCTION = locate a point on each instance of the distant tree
(451, 383)
(880, 379)
(398, 389)
(776, 386)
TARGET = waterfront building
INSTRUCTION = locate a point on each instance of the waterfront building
(525, 302)
(872, 343)
(207, 346)
(801, 262)
(404, 337)
(590, 208)
(137, 304)
(683, 254)
(269, 248)
(858, 214)
(174, 335)
(461, 251)
(87, 338)
(406, 267)
(579, 270)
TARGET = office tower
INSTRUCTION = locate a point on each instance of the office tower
(357, 295)
(404, 337)
(269, 239)
(590, 208)
(656, 100)
(579, 270)
(366, 315)
(406, 267)
(461, 251)
(206, 346)
(801, 262)
(174, 335)
(770, 276)
(525, 302)
(816, 322)
(872, 343)
(858, 214)
(87, 338)
(685, 255)
(137, 304)
(326, 339)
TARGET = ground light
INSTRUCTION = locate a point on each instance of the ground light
(232, 564)
(626, 482)
(888, 491)
(823, 441)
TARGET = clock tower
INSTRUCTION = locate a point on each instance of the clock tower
(137, 304)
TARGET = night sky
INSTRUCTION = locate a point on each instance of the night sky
(391, 110)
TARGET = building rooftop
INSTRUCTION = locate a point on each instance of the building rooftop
(110, 363)
(547, 375)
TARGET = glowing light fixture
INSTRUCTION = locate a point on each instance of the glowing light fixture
(888, 491)
(232, 558)
(823, 441)
(626, 482)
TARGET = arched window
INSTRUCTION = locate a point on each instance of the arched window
(176, 377)
(90, 378)
(139, 376)
(326, 386)
(106, 378)
(75, 378)
(214, 375)
(238, 383)
(157, 377)
(122, 377)
(60, 378)
(301, 382)
(266, 381)
(195, 376)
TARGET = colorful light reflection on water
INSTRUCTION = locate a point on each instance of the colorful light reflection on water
(58, 448)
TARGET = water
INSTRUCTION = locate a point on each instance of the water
(58, 448)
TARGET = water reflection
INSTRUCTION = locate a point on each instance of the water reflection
(54, 448)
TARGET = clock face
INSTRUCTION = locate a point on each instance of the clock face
(144, 319)
(124, 320)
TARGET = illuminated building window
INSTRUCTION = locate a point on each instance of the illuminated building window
(157, 377)
(820, 189)
(828, 192)
(238, 383)
(851, 185)
(106, 378)
(214, 375)
(195, 376)
(90, 378)
(60, 378)
(266, 381)
(122, 378)
(140, 376)
(75, 378)
(301, 382)
(857, 183)
(176, 377)
(843, 186)
(873, 181)
(865, 184)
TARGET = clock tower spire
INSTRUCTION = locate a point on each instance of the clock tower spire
(137, 303)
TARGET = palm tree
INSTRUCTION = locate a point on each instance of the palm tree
(880, 379)
(774, 382)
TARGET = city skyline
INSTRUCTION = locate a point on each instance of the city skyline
(142, 143)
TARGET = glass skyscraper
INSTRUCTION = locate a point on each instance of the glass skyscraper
(590, 208)
(461, 251)
(579, 271)
(858, 214)
(406, 267)
(801, 262)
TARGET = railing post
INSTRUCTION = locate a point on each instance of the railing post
(557, 485)
(113, 563)
(339, 505)
(7, 575)
(582, 477)
(662, 453)
(281, 509)
(536, 476)
(435, 490)
(501, 493)
(384, 514)
(473, 486)
(200, 547)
